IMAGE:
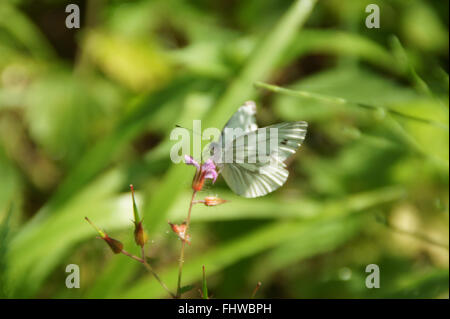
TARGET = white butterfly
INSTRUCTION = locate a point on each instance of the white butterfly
(252, 176)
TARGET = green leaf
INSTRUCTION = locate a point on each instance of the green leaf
(23, 29)
(341, 43)
(135, 209)
(4, 246)
(48, 241)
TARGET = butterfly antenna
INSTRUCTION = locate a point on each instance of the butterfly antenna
(189, 129)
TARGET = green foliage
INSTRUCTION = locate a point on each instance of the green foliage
(85, 113)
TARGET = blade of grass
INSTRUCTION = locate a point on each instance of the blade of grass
(4, 246)
(341, 43)
(419, 285)
(35, 253)
(264, 208)
(339, 100)
(402, 57)
(98, 157)
(204, 284)
(23, 29)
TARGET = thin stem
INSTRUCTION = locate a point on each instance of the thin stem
(101, 232)
(126, 253)
(416, 235)
(149, 268)
(338, 100)
(183, 244)
(204, 285)
(258, 285)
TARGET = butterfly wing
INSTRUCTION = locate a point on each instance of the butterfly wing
(243, 118)
(252, 184)
(290, 137)
(254, 177)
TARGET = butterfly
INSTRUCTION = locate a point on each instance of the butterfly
(253, 175)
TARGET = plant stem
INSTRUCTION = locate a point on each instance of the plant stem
(339, 100)
(149, 268)
(416, 235)
(204, 285)
(183, 244)
(126, 253)
(258, 285)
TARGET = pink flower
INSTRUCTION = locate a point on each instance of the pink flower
(206, 171)
(189, 160)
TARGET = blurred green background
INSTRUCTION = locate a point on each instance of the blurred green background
(86, 112)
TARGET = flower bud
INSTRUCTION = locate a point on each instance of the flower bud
(140, 235)
(199, 181)
(180, 230)
(115, 245)
(213, 201)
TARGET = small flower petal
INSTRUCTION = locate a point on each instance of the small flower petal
(211, 174)
(208, 165)
(210, 170)
(189, 160)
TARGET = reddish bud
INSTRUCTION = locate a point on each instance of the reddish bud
(115, 245)
(140, 235)
(199, 181)
(180, 230)
(213, 201)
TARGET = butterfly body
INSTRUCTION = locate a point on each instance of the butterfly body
(251, 159)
